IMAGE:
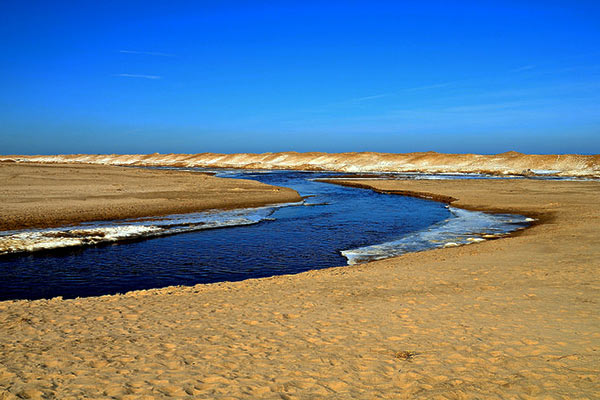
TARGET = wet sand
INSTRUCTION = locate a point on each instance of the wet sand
(510, 318)
(49, 195)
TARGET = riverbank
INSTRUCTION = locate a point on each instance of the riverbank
(50, 195)
(515, 317)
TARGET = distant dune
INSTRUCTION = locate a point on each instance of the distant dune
(510, 163)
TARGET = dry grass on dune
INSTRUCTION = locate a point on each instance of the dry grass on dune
(432, 162)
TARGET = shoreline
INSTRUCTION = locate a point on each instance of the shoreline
(104, 232)
(515, 317)
(57, 195)
(537, 217)
(107, 234)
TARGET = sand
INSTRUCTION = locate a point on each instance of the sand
(48, 195)
(511, 318)
(511, 162)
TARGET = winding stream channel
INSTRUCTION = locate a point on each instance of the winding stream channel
(334, 226)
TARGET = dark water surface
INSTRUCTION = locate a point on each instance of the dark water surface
(291, 240)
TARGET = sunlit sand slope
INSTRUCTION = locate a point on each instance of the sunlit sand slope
(431, 162)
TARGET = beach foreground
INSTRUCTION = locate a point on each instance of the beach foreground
(510, 318)
(49, 195)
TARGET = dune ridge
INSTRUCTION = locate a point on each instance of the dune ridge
(509, 163)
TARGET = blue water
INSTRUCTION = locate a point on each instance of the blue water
(291, 239)
(294, 239)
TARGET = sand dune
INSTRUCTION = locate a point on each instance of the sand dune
(509, 318)
(431, 162)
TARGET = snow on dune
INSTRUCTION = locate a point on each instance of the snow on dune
(510, 163)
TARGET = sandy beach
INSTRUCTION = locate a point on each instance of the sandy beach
(515, 317)
(49, 195)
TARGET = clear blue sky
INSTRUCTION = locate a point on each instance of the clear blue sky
(253, 76)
